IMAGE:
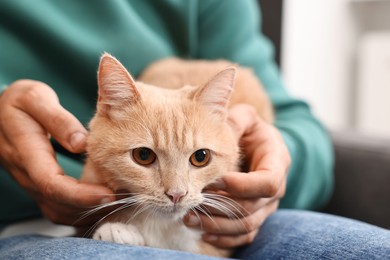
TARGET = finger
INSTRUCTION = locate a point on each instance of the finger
(221, 203)
(45, 173)
(61, 214)
(268, 159)
(218, 225)
(233, 240)
(253, 184)
(50, 180)
(230, 241)
(75, 216)
(242, 118)
(237, 207)
(69, 191)
(41, 103)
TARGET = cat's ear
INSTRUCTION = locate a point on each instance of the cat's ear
(215, 94)
(116, 86)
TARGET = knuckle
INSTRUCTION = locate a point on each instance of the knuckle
(237, 128)
(48, 189)
(23, 90)
(27, 95)
(247, 109)
(58, 122)
(272, 188)
(18, 153)
(25, 184)
(252, 111)
(230, 242)
(213, 227)
(247, 207)
(21, 83)
(5, 151)
(250, 224)
(33, 90)
(241, 189)
(250, 237)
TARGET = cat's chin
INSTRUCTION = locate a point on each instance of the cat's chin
(171, 213)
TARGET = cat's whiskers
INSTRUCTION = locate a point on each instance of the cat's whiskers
(95, 209)
(234, 206)
(90, 230)
(133, 199)
(193, 209)
(137, 211)
(206, 212)
(226, 205)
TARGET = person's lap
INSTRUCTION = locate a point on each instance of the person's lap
(293, 234)
(286, 234)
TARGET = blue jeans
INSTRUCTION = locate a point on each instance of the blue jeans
(287, 234)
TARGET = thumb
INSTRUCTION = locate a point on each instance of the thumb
(242, 118)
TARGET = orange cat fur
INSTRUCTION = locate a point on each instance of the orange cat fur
(174, 73)
(163, 145)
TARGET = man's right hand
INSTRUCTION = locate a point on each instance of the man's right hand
(30, 113)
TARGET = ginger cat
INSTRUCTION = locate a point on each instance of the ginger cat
(163, 145)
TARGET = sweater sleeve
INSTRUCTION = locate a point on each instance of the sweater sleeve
(231, 30)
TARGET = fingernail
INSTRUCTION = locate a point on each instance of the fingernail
(210, 238)
(219, 184)
(192, 220)
(77, 139)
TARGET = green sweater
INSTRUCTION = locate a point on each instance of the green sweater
(60, 42)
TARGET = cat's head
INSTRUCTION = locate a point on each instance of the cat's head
(163, 146)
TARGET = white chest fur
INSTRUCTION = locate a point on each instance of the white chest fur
(151, 231)
(172, 234)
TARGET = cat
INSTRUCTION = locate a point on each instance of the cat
(160, 141)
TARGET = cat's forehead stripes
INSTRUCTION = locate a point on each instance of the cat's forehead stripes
(173, 130)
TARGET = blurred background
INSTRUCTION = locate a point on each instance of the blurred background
(335, 54)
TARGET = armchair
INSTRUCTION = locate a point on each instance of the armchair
(362, 178)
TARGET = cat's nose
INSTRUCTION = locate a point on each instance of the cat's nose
(175, 196)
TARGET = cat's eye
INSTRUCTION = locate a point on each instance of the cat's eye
(200, 158)
(143, 156)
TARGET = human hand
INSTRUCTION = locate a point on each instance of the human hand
(257, 192)
(29, 113)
